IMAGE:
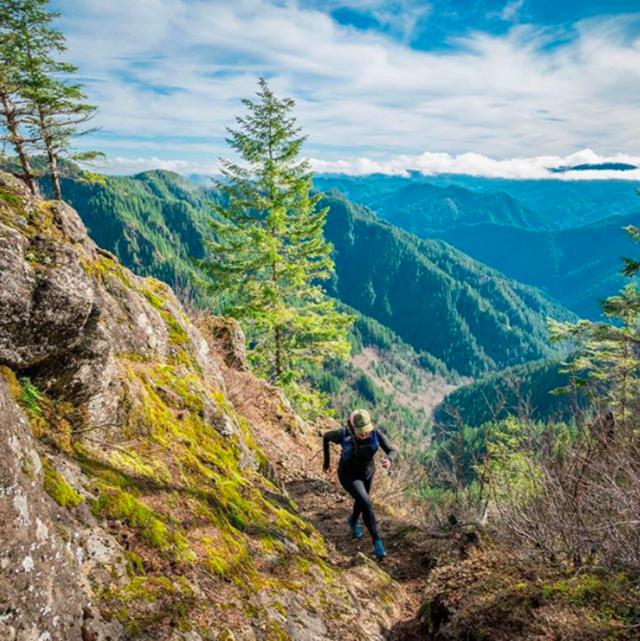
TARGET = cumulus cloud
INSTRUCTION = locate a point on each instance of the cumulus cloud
(427, 163)
(168, 75)
(430, 164)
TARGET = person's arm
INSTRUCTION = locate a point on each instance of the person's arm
(334, 436)
(385, 444)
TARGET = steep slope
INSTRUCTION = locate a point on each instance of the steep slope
(577, 266)
(144, 496)
(435, 298)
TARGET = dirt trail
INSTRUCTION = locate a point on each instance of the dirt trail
(326, 505)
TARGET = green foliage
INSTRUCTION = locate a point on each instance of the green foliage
(53, 109)
(269, 255)
(607, 365)
(524, 390)
(31, 397)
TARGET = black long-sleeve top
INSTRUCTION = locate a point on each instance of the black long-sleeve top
(361, 458)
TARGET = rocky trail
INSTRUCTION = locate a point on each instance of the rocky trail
(323, 503)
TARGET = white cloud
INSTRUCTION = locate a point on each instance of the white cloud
(427, 163)
(168, 75)
(473, 164)
(511, 10)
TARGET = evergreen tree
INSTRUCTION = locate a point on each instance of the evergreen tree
(55, 108)
(270, 255)
(608, 361)
(12, 106)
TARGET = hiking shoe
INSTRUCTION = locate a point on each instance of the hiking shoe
(356, 530)
(378, 547)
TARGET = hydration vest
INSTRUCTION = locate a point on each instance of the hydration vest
(349, 444)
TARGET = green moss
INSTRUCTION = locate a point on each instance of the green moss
(57, 488)
(135, 564)
(609, 596)
(15, 389)
(155, 300)
(275, 632)
(122, 505)
(147, 601)
(10, 199)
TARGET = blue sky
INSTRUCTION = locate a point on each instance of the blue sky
(490, 87)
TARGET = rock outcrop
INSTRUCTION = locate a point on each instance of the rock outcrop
(141, 486)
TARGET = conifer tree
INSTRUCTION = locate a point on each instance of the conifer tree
(607, 364)
(12, 106)
(55, 108)
(270, 256)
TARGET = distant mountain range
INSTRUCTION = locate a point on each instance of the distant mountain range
(578, 266)
(603, 166)
(557, 204)
(576, 262)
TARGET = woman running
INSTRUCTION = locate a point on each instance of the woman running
(360, 441)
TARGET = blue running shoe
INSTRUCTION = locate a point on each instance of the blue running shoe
(378, 547)
(356, 530)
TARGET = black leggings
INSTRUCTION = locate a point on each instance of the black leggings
(358, 486)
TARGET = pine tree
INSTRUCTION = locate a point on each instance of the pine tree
(55, 108)
(12, 106)
(607, 361)
(270, 256)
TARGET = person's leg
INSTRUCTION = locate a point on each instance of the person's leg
(366, 507)
(346, 480)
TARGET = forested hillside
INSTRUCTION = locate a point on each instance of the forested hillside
(577, 266)
(433, 296)
(153, 221)
(522, 390)
(560, 236)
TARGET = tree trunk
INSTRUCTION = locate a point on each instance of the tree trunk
(278, 352)
(51, 155)
(11, 117)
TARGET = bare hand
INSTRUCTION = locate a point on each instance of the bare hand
(327, 470)
(386, 463)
